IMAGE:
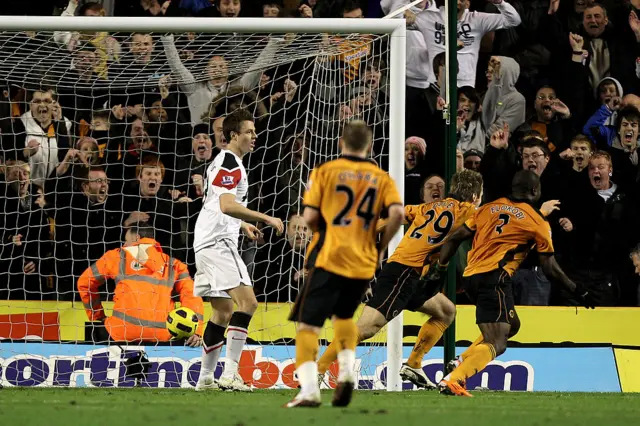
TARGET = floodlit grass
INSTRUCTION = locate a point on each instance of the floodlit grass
(186, 407)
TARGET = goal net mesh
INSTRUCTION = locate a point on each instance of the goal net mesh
(101, 131)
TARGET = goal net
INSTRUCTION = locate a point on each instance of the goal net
(105, 130)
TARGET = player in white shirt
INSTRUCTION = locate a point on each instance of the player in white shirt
(221, 274)
(472, 26)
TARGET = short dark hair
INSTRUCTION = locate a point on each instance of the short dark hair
(530, 140)
(356, 135)
(629, 113)
(439, 61)
(425, 181)
(43, 89)
(233, 122)
(81, 174)
(523, 184)
(350, 6)
(143, 229)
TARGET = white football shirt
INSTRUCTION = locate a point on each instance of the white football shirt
(472, 26)
(225, 175)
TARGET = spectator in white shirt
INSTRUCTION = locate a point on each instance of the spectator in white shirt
(472, 26)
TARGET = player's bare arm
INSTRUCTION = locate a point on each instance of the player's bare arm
(453, 242)
(250, 231)
(229, 206)
(312, 217)
(551, 269)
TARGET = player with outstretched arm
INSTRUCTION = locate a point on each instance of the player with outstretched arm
(342, 204)
(503, 232)
(221, 274)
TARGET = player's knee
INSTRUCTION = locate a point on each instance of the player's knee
(222, 316)
(500, 346)
(367, 331)
(447, 311)
(248, 306)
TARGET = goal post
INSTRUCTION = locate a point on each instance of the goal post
(393, 29)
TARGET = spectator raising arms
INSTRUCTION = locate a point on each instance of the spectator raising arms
(472, 26)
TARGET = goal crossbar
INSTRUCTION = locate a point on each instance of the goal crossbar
(395, 28)
(202, 25)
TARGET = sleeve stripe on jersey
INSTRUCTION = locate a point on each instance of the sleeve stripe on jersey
(229, 162)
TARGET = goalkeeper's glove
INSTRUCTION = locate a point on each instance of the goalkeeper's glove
(583, 295)
(436, 272)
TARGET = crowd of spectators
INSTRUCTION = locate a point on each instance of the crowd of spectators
(118, 129)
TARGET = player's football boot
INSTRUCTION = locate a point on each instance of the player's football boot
(416, 376)
(234, 383)
(343, 394)
(451, 387)
(206, 383)
(311, 400)
(453, 364)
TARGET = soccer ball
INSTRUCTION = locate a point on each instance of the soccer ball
(182, 323)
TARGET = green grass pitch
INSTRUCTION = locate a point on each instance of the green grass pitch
(117, 407)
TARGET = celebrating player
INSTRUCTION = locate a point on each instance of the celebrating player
(398, 287)
(343, 202)
(503, 232)
(222, 275)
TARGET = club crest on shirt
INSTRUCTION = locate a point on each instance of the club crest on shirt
(227, 180)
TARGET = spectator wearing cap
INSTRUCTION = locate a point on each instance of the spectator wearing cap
(472, 159)
(471, 131)
(601, 125)
(415, 150)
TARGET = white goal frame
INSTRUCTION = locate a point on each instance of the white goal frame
(395, 28)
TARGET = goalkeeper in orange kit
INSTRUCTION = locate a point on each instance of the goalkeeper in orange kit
(399, 287)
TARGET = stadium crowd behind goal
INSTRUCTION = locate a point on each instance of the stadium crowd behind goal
(104, 132)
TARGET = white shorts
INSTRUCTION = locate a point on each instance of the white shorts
(219, 268)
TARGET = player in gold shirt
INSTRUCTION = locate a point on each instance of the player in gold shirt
(503, 232)
(342, 204)
(399, 287)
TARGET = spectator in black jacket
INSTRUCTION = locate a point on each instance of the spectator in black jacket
(551, 120)
(26, 258)
(88, 223)
(166, 210)
(601, 223)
